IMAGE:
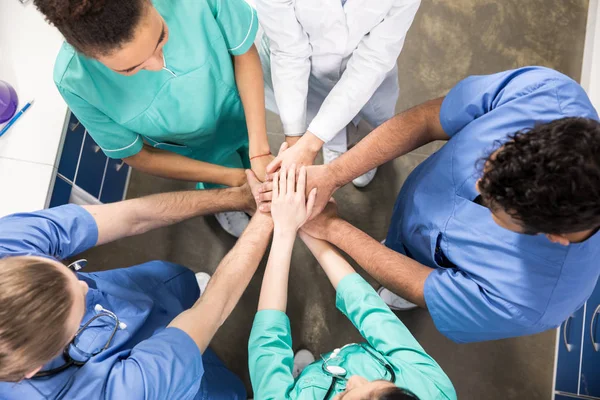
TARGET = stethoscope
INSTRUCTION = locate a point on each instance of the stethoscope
(338, 373)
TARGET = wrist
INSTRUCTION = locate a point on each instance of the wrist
(311, 142)
(333, 226)
(285, 234)
(259, 148)
(237, 177)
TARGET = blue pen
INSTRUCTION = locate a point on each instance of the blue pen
(16, 117)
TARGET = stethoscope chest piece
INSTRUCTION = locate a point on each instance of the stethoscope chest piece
(336, 370)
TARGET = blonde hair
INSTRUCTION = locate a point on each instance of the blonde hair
(35, 305)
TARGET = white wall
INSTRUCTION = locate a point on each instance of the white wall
(590, 74)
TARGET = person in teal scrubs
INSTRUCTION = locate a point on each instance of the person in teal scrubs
(390, 365)
(174, 88)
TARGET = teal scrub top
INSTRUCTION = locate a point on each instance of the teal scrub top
(196, 111)
(271, 357)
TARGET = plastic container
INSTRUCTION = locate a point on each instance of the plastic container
(8, 101)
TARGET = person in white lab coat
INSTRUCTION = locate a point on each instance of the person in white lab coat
(327, 63)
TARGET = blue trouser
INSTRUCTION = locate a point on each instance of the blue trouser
(218, 382)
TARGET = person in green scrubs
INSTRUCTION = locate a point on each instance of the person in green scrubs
(390, 365)
(174, 88)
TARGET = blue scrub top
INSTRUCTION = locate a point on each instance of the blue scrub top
(491, 283)
(145, 360)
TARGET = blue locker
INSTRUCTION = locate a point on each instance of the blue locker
(590, 363)
(114, 181)
(61, 192)
(71, 148)
(563, 397)
(569, 352)
(91, 167)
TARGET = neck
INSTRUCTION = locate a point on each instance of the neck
(578, 237)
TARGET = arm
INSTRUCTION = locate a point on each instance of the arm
(395, 271)
(270, 347)
(167, 164)
(290, 211)
(140, 215)
(400, 135)
(224, 290)
(249, 79)
(374, 320)
(375, 56)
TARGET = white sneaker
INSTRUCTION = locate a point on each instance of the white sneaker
(302, 359)
(330, 155)
(234, 222)
(202, 278)
(394, 301)
(365, 179)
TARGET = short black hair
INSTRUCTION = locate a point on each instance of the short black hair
(547, 177)
(94, 27)
(397, 393)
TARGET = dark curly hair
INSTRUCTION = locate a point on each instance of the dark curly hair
(547, 177)
(94, 27)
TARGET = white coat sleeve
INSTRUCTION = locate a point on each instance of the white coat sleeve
(375, 56)
(290, 61)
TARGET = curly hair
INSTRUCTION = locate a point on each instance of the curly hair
(547, 177)
(94, 27)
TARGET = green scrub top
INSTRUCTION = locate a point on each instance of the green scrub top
(195, 111)
(271, 357)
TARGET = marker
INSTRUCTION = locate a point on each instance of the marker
(16, 117)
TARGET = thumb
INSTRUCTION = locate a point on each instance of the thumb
(251, 176)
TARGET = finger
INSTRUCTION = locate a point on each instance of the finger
(282, 181)
(284, 146)
(275, 164)
(266, 187)
(276, 185)
(268, 177)
(263, 197)
(302, 181)
(291, 180)
(310, 204)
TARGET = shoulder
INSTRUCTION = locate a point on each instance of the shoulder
(65, 61)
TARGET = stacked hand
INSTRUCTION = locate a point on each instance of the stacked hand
(290, 208)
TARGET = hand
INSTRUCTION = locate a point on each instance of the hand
(292, 140)
(289, 207)
(321, 178)
(259, 166)
(318, 227)
(302, 153)
(250, 192)
(236, 177)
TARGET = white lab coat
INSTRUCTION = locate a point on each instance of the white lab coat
(326, 64)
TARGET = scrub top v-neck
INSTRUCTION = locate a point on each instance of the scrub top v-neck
(192, 107)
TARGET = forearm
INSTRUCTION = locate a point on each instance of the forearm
(167, 164)
(249, 80)
(228, 283)
(400, 135)
(274, 290)
(398, 273)
(334, 265)
(136, 216)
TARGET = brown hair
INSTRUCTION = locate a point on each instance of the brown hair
(35, 305)
(94, 27)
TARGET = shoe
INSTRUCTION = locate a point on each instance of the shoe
(364, 179)
(394, 301)
(234, 222)
(202, 278)
(331, 155)
(302, 359)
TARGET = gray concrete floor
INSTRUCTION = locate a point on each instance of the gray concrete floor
(448, 41)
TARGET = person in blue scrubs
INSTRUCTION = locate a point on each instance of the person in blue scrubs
(136, 333)
(497, 232)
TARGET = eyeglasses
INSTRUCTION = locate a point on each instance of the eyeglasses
(81, 356)
(338, 373)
